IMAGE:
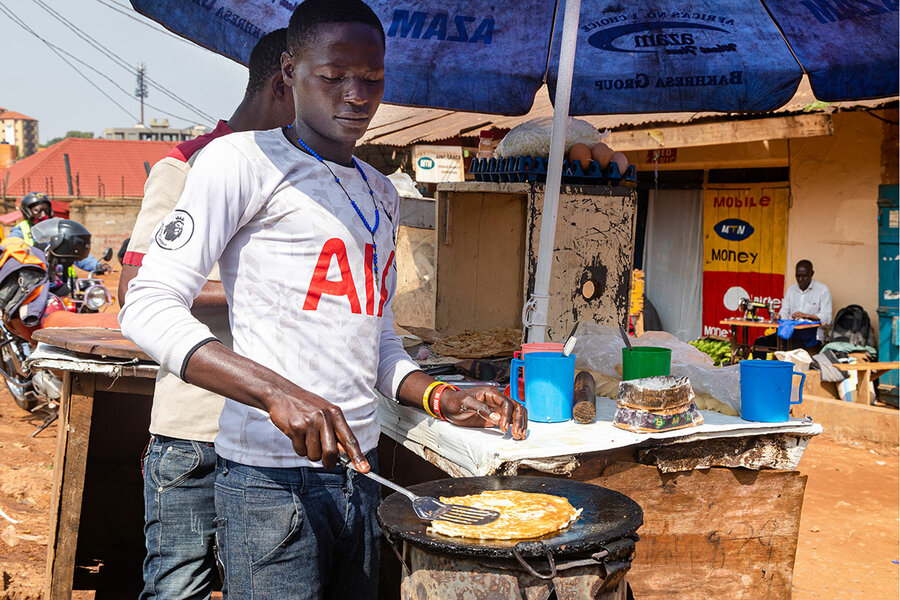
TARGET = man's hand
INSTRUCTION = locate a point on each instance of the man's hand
(484, 407)
(801, 315)
(315, 428)
(314, 425)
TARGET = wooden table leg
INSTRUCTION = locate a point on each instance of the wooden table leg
(76, 409)
(734, 342)
(862, 386)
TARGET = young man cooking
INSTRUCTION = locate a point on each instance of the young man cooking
(179, 466)
(304, 237)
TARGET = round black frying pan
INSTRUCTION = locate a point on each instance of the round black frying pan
(606, 516)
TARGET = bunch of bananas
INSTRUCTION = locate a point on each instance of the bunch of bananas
(719, 350)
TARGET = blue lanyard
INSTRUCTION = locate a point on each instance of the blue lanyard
(362, 217)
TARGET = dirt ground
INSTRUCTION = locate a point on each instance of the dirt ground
(849, 530)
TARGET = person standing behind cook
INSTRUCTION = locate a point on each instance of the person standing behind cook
(179, 463)
(304, 237)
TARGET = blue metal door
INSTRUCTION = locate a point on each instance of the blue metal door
(888, 283)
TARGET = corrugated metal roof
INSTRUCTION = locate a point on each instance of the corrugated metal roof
(405, 126)
(100, 168)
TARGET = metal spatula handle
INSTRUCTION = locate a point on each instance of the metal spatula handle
(431, 509)
(345, 460)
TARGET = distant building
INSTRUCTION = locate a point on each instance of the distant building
(8, 154)
(100, 183)
(157, 131)
(20, 131)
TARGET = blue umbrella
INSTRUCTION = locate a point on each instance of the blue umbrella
(633, 57)
(597, 56)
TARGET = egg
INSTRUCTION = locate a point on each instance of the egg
(601, 153)
(620, 160)
(582, 154)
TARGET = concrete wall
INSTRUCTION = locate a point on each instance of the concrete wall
(110, 221)
(833, 215)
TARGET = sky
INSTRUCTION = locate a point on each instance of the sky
(34, 81)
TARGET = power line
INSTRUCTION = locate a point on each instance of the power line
(60, 51)
(119, 61)
(5, 10)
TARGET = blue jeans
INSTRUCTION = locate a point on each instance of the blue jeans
(179, 519)
(298, 533)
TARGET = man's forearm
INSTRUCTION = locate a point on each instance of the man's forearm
(215, 368)
(315, 426)
(211, 296)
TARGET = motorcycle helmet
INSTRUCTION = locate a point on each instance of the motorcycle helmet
(29, 201)
(62, 239)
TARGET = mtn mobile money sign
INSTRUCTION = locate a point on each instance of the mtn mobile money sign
(438, 164)
(744, 251)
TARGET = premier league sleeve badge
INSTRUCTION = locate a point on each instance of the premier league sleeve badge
(175, 230)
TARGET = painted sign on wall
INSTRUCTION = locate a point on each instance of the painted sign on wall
(744, 250)
(438, 164)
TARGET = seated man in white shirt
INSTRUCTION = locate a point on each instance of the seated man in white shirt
(807, 300)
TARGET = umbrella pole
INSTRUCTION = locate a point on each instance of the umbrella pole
(534, 315)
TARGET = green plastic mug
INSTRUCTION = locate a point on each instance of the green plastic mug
(645, 361)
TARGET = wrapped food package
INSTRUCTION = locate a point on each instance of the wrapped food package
(599, 350)
(532, 138)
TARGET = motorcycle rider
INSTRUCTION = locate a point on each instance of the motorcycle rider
(36, 207)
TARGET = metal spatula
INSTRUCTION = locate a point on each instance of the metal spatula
(432, 509)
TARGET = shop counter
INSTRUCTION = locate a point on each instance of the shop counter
(721, 501)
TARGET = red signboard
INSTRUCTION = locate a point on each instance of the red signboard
(722, 294)
(663, 155)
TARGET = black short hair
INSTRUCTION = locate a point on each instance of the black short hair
(312, 13)
(804, 263)
(265, 59)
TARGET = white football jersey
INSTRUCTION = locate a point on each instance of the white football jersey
(297, 264)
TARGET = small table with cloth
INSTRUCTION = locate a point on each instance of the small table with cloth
(740, 335)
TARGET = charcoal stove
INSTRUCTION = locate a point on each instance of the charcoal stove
(586, 561)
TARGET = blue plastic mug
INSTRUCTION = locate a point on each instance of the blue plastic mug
(766, 387)
(549, 385)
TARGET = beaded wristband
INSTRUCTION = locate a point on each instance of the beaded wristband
(427, 394)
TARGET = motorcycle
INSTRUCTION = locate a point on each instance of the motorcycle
(57, 246)
(88, 294)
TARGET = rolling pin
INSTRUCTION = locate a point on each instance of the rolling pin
(584, 397)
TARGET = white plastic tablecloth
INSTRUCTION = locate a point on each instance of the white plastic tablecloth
(483, 451)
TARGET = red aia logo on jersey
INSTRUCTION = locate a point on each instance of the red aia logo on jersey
(345, 286)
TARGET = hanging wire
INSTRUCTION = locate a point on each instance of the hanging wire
(15, 19)
(119, 61)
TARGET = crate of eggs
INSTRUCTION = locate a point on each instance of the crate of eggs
(599, 165)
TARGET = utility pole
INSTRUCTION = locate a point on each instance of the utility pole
(140, 91)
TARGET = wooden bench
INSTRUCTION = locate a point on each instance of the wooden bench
(867, 371)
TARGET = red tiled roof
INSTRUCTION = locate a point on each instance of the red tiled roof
(9, 114)
(100, 168)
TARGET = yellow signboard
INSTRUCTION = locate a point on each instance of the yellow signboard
(745, 229)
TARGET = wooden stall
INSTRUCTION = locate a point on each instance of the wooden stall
(721, 502)
(486, 255)
(96, 536)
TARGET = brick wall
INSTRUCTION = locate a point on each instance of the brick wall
(110, 221)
